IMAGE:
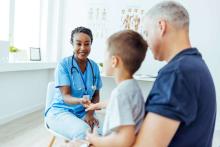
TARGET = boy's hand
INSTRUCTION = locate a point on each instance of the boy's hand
(85, 102)
(78, 143)
(92, 106)
(91, 136)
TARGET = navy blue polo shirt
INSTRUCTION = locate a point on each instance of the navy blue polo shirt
(184, 91)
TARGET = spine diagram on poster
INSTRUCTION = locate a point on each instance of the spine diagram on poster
(97, 21)
(131, 18)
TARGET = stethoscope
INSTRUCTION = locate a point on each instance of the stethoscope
(84, 82)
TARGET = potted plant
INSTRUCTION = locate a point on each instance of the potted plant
(13, 49)
(101, 66)
(12, 53)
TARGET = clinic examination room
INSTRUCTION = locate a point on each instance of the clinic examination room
(119, 73)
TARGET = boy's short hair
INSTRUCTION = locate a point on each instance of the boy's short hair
(130, 47)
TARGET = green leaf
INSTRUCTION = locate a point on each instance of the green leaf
(13, 49)
(101, 64)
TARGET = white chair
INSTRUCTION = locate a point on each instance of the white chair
(49, 98)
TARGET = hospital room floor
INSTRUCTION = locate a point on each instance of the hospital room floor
(29, 131)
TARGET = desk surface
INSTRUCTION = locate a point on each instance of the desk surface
(22, 66)
(137, 77)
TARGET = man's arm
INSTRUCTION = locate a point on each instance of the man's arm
(156, 131)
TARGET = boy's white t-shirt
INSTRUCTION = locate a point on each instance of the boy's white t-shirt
(126, 107)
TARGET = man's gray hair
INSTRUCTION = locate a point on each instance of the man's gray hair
(170, 11)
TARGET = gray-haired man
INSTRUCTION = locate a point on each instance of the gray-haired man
(181, 107)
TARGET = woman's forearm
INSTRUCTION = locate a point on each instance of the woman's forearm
(95, 98)
(67, 97)
(71, 100)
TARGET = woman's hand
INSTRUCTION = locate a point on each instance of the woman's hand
(91, 120)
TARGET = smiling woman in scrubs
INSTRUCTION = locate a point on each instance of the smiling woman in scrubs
(77, 81)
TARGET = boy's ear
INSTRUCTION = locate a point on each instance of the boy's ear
(115, 61)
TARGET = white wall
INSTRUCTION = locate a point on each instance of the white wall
(109, 84)
(22, 92)
(204, 31)
(75, 13)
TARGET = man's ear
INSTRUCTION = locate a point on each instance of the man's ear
(115, 61)
(162, 27)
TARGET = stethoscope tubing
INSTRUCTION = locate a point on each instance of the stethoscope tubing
(90, 64)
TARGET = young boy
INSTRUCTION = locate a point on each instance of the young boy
(125, 111)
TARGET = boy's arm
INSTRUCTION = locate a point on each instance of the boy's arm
(156, 131)
(124, 136)
(97, 106)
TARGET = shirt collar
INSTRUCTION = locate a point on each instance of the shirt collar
(188, 51)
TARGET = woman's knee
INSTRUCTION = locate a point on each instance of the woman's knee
(68, 125)
(79, 132)
(72, 131)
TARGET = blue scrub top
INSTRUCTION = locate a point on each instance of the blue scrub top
(184, 91)
(63, 77)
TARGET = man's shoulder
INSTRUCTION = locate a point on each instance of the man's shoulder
(185, 65)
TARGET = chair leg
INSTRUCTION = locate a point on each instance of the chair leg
(52, 141)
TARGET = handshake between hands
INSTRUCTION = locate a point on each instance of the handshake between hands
(89, 119)
(91, 106)
(93, 123)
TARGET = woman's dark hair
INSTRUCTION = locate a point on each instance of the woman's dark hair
(81, 30)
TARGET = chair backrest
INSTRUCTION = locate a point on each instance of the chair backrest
(50, 93)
